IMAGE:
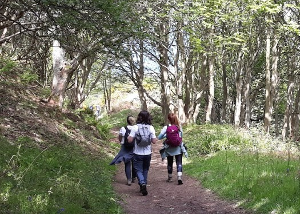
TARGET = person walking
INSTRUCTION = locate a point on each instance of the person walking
(170, 150)
(126, 152)
(142, 139)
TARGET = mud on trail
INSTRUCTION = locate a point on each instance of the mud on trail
(166, 198)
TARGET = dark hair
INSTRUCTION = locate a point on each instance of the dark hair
(173, 119)
(144, 117)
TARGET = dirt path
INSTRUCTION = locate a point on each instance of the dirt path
(164, 197)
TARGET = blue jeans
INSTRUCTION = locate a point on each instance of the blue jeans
(141, 165)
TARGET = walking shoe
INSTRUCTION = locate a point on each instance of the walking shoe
(144, 189)
(129, 182)
(180, 182)
(169, 180)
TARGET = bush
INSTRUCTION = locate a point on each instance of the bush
(7, 65)
(28, 77)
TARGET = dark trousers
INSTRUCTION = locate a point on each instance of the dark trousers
(170, 160)
(129, 170)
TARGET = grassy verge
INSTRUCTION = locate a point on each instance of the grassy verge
(59, 179)
(65, 176)
(67, 173)
(237, 168)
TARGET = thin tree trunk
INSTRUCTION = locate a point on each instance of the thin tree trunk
(268, 101)
(211, 89)
(238, 84)
(289, 102)
(195, 89)
(141, 76)
(247, 98)
(294, 120)
(275, 79)
(163, 64)
(225, 90)
(295, 117)
(107, 91)
(181, 81)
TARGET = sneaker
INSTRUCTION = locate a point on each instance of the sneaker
(169, 179)
(129, 182)
(180, 182)
(144, 189)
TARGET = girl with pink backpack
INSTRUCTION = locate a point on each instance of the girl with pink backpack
(173, 146)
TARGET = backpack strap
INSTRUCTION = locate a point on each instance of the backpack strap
(126, 129)
(143, 127)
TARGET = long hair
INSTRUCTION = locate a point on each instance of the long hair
(144, 117)
(173, 119)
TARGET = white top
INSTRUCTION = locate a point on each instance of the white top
(143, 150)
(123, 131)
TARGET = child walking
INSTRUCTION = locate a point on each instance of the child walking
(126, 152)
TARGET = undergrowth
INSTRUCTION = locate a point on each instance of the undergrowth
(57, 179)
(260, 173)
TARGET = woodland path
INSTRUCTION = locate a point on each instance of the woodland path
(168, 198)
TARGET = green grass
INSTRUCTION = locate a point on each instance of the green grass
(118, 119)
(65, 177)
(262, 182)
(54, 180)
(209, 138)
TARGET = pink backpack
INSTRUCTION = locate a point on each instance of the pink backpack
(173, 136)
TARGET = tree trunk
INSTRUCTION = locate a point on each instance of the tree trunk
(268, 101)
(60, 75)
(164, 64)
(107, 91)
(141, 78)
(238, 85)
(78, 96)
(254, 50)
(295, 117)
(190, 99)
(225, 90)
(247, 97)
(181, 81)
(294, 114)
(211, 89)
(275, 78)
(289, 102)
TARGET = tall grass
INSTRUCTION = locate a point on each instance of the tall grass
(260, 173)
(57, 179)
(62, 176)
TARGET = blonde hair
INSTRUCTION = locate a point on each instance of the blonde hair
(130, 120)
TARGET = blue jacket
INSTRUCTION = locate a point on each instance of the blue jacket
(124, 155)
